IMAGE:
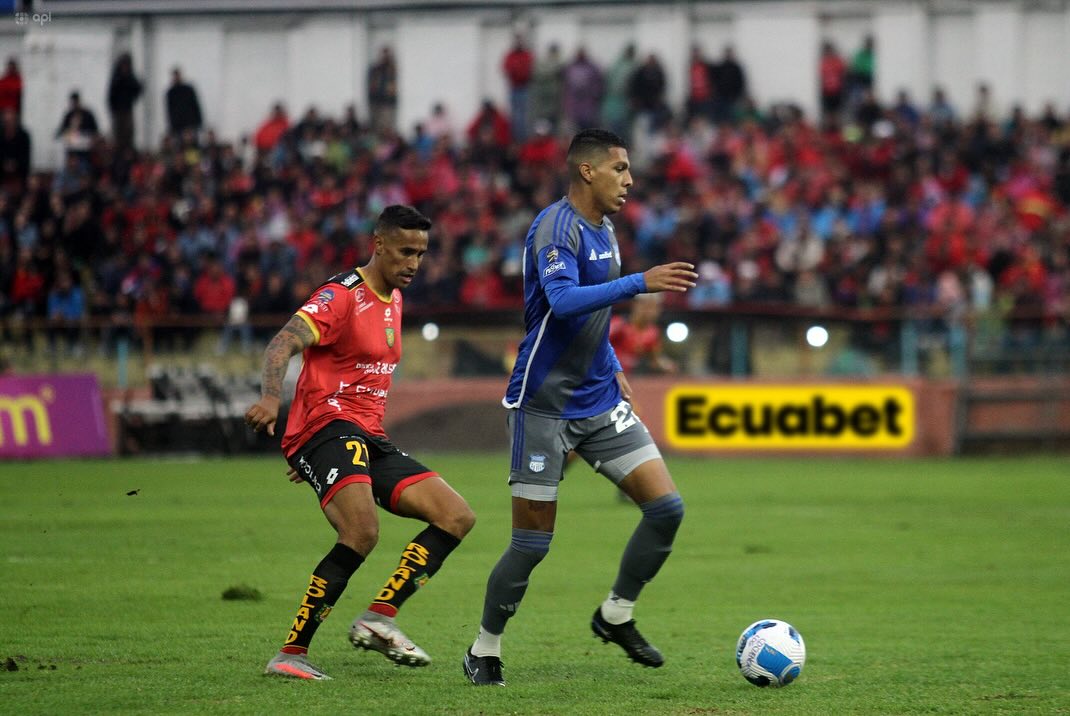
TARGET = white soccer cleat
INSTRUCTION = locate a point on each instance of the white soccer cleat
(381, 634)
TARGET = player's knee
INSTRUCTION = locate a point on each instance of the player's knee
(667, 510)
(361, 538)
(459, 522)
(534, 543)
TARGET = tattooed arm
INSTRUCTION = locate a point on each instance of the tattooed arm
(294, 337)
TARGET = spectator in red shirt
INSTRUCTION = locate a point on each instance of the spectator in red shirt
(214, 289)
(833, 76)
(11, 87)
(489, 135)
(272, 130)
(518, 66)
(482, 288)
(637, 339)
(542, 152)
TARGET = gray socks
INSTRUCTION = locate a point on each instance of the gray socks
(649, 545)
(509, 579)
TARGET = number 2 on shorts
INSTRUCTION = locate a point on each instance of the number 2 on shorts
(622, 417)
(361, 452)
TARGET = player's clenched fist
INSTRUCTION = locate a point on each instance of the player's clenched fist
(263, 414)
(677, 276)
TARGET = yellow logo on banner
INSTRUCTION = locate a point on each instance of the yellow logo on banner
(703, 417)
(16, 408)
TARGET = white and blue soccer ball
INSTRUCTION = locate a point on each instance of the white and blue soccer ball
(770, 652)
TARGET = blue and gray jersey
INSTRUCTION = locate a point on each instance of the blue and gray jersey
(565, 367)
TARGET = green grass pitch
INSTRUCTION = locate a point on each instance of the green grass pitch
(920, 586)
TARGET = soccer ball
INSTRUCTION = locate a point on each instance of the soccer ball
(770, 653)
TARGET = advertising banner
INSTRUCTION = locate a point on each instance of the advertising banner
(51, 416)
(778, 417)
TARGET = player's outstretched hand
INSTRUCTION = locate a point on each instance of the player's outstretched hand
(262, 415)
(677, 276)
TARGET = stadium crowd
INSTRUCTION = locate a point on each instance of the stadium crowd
(873, 204)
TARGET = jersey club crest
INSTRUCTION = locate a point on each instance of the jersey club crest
(390, 336)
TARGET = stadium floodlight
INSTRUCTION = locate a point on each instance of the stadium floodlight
(677, 332)
(430, 331)
(817, 336)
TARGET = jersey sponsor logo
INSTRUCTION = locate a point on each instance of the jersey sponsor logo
(377, 368)
(386, 315)
(536, 462)
(359, 295)
(553, 268)
(310, 308)
(390, 336)
(872, 417)
(350, 280)
(605, 255)
(593, 256)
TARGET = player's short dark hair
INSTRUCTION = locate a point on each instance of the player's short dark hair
(400, 216)
(591, 143)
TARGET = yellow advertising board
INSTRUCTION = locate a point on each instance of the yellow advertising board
(807, 417)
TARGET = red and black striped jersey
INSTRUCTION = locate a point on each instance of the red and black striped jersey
(347, 372)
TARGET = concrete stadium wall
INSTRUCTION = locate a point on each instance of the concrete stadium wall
(241, 63)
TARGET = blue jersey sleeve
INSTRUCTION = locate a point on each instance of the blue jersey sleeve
(559, 276)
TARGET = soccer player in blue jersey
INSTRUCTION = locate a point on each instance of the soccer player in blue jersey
(567, 392)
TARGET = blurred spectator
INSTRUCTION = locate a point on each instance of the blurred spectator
(581, 93)
(616, 104)
(11, 87)
(66, 314)
(214, 289)
(729, 86)
(863, 68)
(700, 85)
(636, 339)
(518, 66)
(832, 76)
(183, 107)
(646, 90)
(78, 128)
(272, 130)
(482, 288)
(440, 125)
(940, 110)
(383, 91)
(488, 136)
(124, 89)
(547, 87)
(14, 151)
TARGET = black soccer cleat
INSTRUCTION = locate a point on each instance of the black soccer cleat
(483, 670)
(628, 638)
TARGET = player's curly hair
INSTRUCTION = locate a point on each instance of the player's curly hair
(400, 216)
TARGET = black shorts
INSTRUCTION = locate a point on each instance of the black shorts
(342, 453)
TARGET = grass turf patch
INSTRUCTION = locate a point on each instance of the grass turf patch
(920, 586)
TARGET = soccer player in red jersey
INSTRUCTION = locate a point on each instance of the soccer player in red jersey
(350, 333)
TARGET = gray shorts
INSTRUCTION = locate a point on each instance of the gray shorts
(614, 443)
